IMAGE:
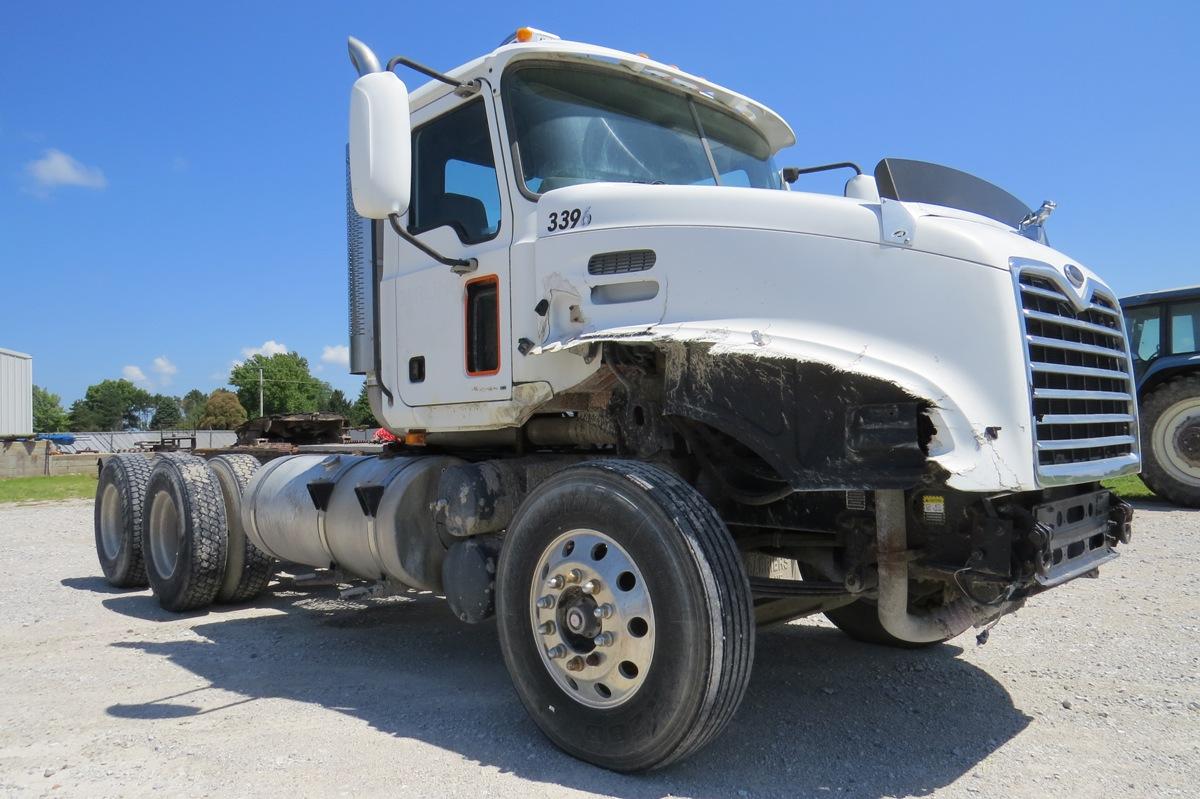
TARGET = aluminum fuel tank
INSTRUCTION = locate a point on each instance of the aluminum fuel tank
(367, 515)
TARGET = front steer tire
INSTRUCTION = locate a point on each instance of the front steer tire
(120, 494)
(1163, 471)
(184, 538)
(701, 621)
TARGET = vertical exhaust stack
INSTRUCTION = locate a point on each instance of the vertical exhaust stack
(360, 248)
(360, 256)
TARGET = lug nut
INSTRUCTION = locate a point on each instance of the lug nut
(557, 651)
(547, 628)
(574, 576)
(604, 639)
(555, 582)
(593, 659)
(545, 602)
(603, 611)
(575, 664)
(591, 587)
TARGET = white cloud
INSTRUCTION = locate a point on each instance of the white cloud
(164, 369)
(134, 374)
(56, 168)
(268, 348)
(338, 354)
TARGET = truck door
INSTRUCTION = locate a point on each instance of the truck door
(452, 331)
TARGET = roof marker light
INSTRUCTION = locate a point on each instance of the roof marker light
(526, 34)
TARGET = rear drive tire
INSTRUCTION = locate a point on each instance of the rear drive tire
(247, 568)
(184, 537)
(120, 494)
(653, 615)
(1170, 428)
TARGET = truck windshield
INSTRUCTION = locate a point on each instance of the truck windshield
(578, 125)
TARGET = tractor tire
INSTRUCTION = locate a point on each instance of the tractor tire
(1170, 428)
(624, 615)
(120, 494)
(184, 537)
(247, 568)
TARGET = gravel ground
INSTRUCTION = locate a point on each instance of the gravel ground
(1091, 690)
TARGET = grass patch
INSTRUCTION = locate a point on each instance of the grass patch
(1128, 487)
(41, 489)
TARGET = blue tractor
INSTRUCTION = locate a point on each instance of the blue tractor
(1164, 336)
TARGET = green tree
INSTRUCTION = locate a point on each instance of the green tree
(288, 387)
(48, 413)
(337, 403)
(222, 411)
(111, 405)
(361, 414)
(167, 414)
(192, 406)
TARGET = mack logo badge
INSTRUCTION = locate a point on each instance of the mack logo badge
(1074, 274)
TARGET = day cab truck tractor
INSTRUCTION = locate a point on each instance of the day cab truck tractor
(1164, 336)
(648, 397)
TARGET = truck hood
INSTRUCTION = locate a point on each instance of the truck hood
(916, 226)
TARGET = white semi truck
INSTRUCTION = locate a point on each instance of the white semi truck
(649, 396)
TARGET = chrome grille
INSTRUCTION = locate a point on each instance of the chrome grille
(1081, 386)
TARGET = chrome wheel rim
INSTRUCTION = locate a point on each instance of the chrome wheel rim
(111, 527)
(593, 619)
(165, 534)
(1174, 437)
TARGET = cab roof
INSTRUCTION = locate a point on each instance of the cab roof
(1162, 295)
(774, 129)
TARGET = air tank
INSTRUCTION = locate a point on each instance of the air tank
(369, 516)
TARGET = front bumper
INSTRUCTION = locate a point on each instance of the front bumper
(1075, 536)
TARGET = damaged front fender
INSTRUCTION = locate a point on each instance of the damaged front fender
(869, 416)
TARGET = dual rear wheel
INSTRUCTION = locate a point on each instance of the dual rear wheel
(172, 521)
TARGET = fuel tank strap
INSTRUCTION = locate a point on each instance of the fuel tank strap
(323, 536)
(369, 496)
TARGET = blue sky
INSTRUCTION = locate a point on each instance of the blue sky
(171, 175)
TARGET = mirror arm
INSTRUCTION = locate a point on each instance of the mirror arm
(459, 266)
(792, 173)
(460, 88)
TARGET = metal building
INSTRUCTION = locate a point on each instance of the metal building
(16, 394)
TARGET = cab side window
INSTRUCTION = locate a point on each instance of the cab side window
(1144, 332)
(454, 175)
(1185, 327)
